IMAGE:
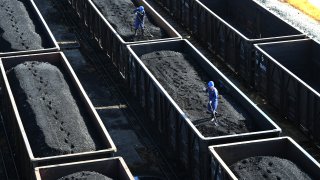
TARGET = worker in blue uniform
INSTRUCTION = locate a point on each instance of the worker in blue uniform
(139, 20)
(213, 100)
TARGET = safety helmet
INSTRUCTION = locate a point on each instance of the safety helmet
(210, 84)
(141, 8)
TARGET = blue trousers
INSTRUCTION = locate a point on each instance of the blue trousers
(214, 105)
(138, 24)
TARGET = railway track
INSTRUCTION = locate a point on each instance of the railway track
(115, 85)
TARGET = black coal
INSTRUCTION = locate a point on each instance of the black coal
(267, 167)
(119, 14)
(49, 112)
(17, 30)
(184, 80)
(85, 175)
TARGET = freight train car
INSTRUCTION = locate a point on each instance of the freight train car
(167, 78)
(23, 29)
(48, 116)
(111, 24)
(275, 158)
(114, 168)
(230, 28)
(287, 75)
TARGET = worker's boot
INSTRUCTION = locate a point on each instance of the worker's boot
(135, 32)
(215, 122)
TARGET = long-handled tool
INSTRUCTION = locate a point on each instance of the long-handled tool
(145, 29)
(203, 120)
(214, 119)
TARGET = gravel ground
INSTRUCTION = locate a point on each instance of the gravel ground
(42, 95)
(267, 167)
(17, 30)
(294, 17)
(85, 175)
(250, 21)
(119, 14)
(184, 81)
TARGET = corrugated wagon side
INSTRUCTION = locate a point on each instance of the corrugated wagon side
(287, 76)
(19, 142)
(181, 10)
(178, 137)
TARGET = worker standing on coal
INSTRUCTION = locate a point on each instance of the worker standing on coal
(139, 20)
(213, 99)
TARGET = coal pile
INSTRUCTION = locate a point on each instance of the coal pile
(184, 80)
(17, 30)
(49, 113)
(119, 14)
(267, 167)
(85, 175)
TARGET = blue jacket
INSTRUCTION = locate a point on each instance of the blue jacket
(213, 94)
(140, 15)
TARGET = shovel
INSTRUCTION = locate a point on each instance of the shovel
(146, 29)
(214, 119)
